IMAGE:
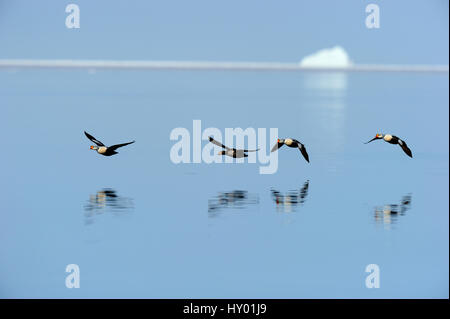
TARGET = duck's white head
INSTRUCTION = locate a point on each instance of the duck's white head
(93, 147)
(280, 140)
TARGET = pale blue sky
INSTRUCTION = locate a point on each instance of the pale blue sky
(410, 31)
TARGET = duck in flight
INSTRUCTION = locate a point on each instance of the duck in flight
(291, 143)
(392, 139)
(232, 152)
(102, 149)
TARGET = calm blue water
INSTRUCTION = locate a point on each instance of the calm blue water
(140, 226)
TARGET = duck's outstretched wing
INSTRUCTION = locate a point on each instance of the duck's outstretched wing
(218, 144)
(93, 139)
(251, 150)
(114, 147)
(276, 146)
(302, 149)
(405, 147)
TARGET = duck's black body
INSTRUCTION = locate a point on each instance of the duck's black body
(111, 150)
(109, 153)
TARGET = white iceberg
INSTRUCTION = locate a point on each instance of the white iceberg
(334, 57)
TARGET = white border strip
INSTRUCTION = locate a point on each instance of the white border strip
(204, 65)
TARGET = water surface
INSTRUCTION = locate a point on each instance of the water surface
(140, 226)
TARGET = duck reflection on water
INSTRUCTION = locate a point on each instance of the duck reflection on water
(388, 214)
(288, 202)
(237, 199)
(106, 200)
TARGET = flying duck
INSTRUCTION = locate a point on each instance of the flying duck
(392, 139)
(102, 149)
(232, 152)
(291, 143)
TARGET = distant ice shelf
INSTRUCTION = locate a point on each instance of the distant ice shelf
(211, 66)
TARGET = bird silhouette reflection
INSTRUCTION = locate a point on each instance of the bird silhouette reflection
(106, 200)
(237, 199)
(388, 214)
(288, 202)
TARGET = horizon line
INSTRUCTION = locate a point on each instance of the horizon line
(212, 66)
